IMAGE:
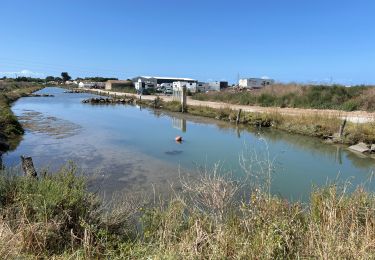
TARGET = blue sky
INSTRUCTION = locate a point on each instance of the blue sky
(288, 40)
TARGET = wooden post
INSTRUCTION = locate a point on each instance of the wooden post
(342, 127)
(238, 116)
(183, 99)
(28, 166)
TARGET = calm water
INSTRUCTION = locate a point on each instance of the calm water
(127, 147)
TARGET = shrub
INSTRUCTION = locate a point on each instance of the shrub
(47, 212)
(210, 217)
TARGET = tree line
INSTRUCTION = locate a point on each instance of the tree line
(63, 78)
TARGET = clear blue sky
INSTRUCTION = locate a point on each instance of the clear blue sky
(288, 40)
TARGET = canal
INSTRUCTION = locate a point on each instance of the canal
(125, 147)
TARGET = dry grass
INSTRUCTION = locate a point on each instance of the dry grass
(211, 217)
(299, 96)
(340, 225)
(281, 90)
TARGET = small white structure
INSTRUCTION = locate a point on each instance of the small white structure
(255, 82)
(139, 85)
(86, 84)
(191, 86)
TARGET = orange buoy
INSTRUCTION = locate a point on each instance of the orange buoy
(178, 138)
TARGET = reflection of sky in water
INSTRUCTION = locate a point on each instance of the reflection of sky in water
(129, 147)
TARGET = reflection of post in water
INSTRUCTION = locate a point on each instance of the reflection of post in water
(238, 132)
(179, 123)
(1, 161)
(339, 154)
(157, 113)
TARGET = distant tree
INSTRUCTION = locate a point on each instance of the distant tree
(28, 79)
(50, 78)
(65, 76)
(58, 79)
(99, 79)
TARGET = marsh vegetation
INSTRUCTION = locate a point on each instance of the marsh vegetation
(300, 96)
(209, 217)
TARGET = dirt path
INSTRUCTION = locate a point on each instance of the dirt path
(354, 116)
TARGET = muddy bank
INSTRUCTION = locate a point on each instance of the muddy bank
(11, 130)
(37, 122)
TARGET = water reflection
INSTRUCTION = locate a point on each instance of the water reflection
(179, 123)
(133, 148)
(315, 146)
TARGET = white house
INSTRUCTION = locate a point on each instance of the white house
(255, 82)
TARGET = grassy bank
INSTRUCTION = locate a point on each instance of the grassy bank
(300, 96)
(324, 127)
(10, 129)
(56, 217)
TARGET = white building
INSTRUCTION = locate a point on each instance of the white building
(99, 85)
(86, 84)
(217, 85)
(151, 81)
(139, 85)
(255, 82)
(190, 86)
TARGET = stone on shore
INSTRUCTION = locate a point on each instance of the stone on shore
(360, 147)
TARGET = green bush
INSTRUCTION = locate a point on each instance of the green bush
(60, 201)
(350, 105)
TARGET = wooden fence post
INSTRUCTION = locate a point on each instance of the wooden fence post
(183, 99)
(342, 127)
(238, 116)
